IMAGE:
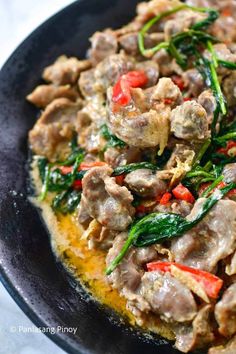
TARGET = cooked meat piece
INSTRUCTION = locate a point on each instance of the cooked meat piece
(196, 336)
(189, 121)
(231, 267)
(183, 21)
(96, 110)
(83, 217)
(230, 348)
(103, 44)
(90, 138)
(225, 27)
(166, 91)
(82, 122)
(89, 122)
(165, 62)
(145, 183)
(194, 82)
(152, 71)
(55, 125)
(116, 157)
(180, 207)
(65, 70)
(129, 271)
(45, 94)
(126, 273)
(211, 240)
(87, 84)
(225, 312)
(229, 89)
(137, 127)
(129, 42)
(208, 101)
(229, 173)
(108, 71)
(106, 201)
(168, 297)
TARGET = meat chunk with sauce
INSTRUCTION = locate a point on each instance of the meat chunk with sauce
(106, 201)
(115, 156)
(194, 82)
(151, 70)
(225, 312)
(103, 44)
(189, 121)
(229, 173)
(197, 335)
(212, 240)
(126, 278)
(45, 94)
(129, 272)
(87, 84)
(55, 126)
(166, 91)
(65, 70)
(145, 183)
(168, 297)
(137, 124)
(208, 101)
(177, 206)
(229, 89)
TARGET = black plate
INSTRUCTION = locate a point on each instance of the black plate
(28, 268)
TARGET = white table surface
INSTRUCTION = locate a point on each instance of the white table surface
(17, 19)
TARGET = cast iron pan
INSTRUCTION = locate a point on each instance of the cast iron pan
(29, 271)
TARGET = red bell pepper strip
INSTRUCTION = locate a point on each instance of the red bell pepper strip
(165, 198)
(182, 193)
(178, 81)
(225, 150)
(136, 78)
(211, 283)
(121, 90)
(65, 169)
(168, 101)
(120, 179)
(84, 166)
(77, 184)
(87, 165)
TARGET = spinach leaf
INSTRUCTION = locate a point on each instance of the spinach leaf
(67, 201)
(113, 141)
(120, 170)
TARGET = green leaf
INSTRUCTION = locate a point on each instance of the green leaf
(120, 170)
(67, 201)
(113, 141)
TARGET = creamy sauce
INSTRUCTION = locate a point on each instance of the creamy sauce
(87, 265)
